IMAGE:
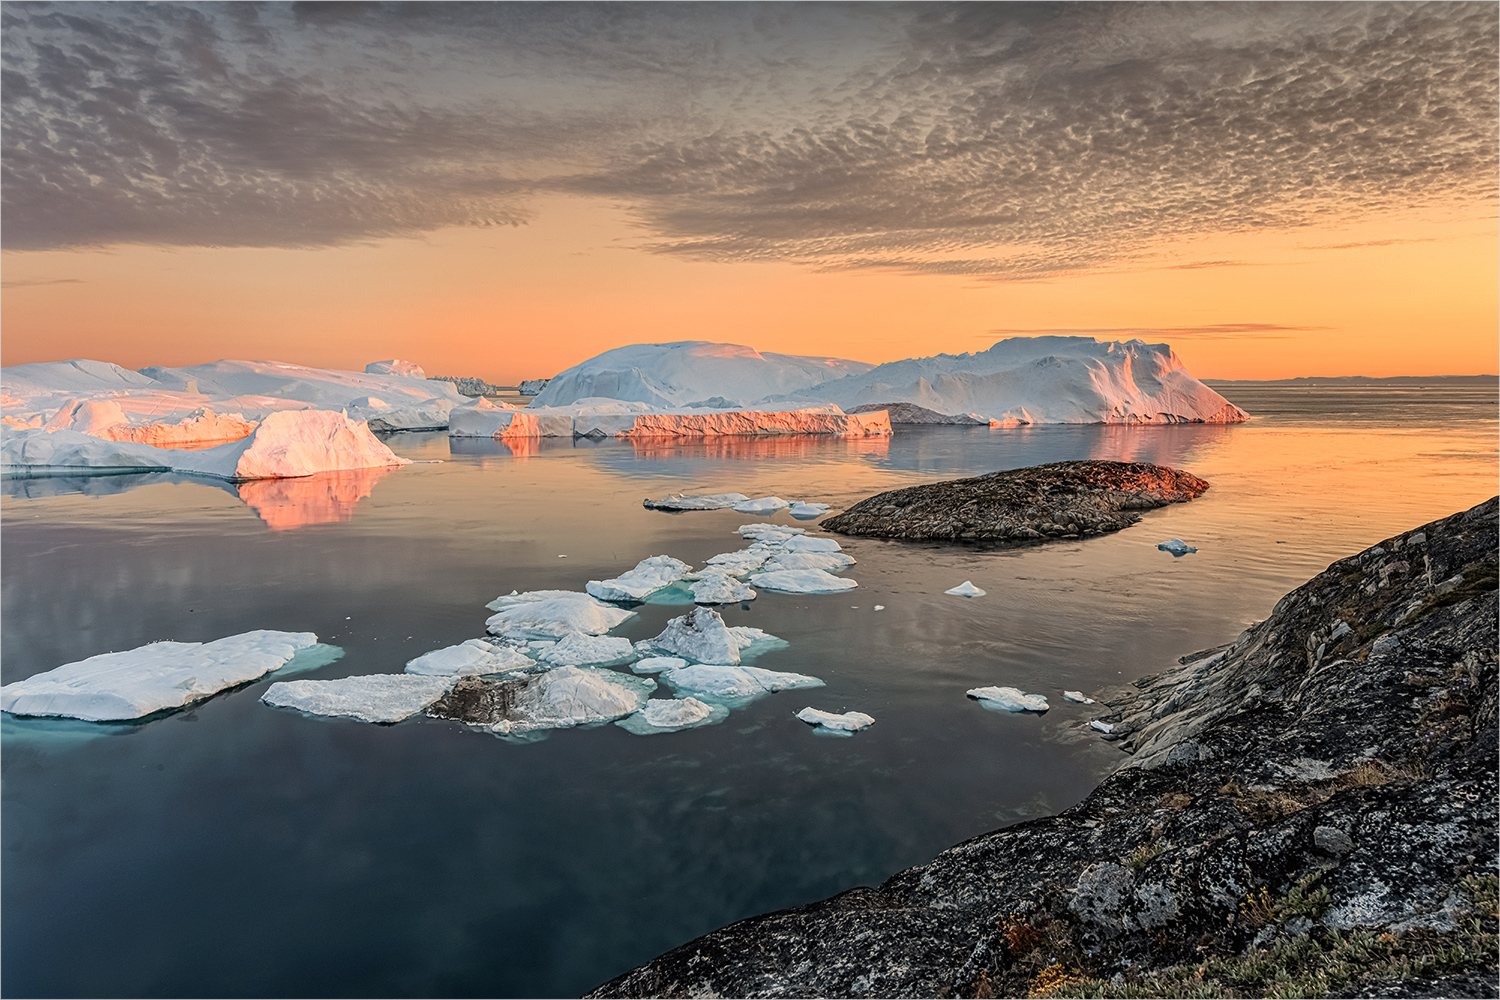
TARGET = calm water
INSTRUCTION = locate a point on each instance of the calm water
(240, 850)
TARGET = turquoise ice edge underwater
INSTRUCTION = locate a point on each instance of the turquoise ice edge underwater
(235, 849)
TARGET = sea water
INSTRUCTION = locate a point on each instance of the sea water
(235, 849)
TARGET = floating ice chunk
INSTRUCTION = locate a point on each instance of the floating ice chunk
(706, 501)
(1177, 547)
(656, 664)
(802, 581)
(151, 678)
(1079, 697)
(775, 533)
(741, 562)
(472, 657)
(720, 588)
(649, 576)
(368, 698)
(965, 589)
(732, 685)
(700, 636)
(555, 617)
(1009, 699)
(880, 607)
(849, 722)
(754, 641)
(513, 598)
(578, 649)
(670, 715)
(806, 543)
(808, 511)
(830, 562)
(765, 505)
(1103, 727)
(557, 699)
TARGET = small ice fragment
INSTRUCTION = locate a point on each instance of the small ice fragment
(807, 543)
(1177, 547)
(1103, 727)
(802, 581)
(965, 589)
(765, 505)
(880, 607)
(368, 698)
(562, 557)
(808, 511)
(656, 664)
(671, 715)
(849, 722)
(1008, 699)
(472, 657)
(1079, 697)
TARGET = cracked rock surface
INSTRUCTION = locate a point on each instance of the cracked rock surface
(1347, 743)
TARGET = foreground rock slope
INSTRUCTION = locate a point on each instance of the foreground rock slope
(1309, 810)
(1021, 506)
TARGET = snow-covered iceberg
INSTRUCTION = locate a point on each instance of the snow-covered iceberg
(648, 576)
(802, 581)
(1008, 699)
(1079, 697)
(732, 685)
(770, 533)
(152, 678)
(803, 511)
(577, 650)
(671, 715)
(555, 616)
(381, 698)
(700, 636)
(716, 585)
(476, 656)
(608, 418)
(557, 699)
(830, 562)
(848, 722)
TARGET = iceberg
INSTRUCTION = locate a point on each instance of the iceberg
(965, 589)
(152, 678)
(649, 576)
(557, 699)
(807, 543)
(656, 664)
(700, 636)
(555, 617)
(608, 418)
(741, 562)
(802, 581)
(710, 501)
(720, 588)
(1008, 699)
(1177, 547)
(808, 511)
(379, 415)
(515, 598)
(405, 369)
(831, 562)
(910, 413)
(383, 698)
(732, 685)
(472, 657)
(1079, 697)
(769, 533)
(671, 715)
(765, 505)
(849, 722)
(577, 649)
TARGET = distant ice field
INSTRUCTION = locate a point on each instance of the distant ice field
(236, 849)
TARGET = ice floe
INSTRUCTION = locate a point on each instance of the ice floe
(704, 501)
(151, 678)
(656, 664)
(1102, 727)
(649, 576)
(1177, 547)
(671, 715)
(700, 636)
(1008, 699)
(720, 588)
(577, 649)
(368, 698)
(475, 656)
(849, 722)
(764, 505)
(808, 543)
(965, 589)
(808, 511)
(515, 598)
(802, 581)
(830, 562)
(553, 617)
(558, 699)
(741, 562)
(769, 533)
(732, 685)
(1079, 697)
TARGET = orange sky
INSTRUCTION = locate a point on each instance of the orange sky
(520, 302)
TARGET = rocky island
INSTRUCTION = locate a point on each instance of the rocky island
(1022, 506)
(1309, 810)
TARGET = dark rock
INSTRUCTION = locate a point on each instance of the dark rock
(1364, 706)
(1022, 506)
(911, 413)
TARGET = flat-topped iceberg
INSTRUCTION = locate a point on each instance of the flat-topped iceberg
(656, 664)
(671, 715)
(649, 576)
(808, 511)
(557, 699)
(577, 649)
(808, 543)
(741, 562)
(830, 562)
(555, 616)
(152, 678)
(802, 581)
(848, 722)
(732, 685)
(608, 418)
(769, 533)
(764, 505)
(1008, 699)
(701, 501)
(383, 698)
(475, 656)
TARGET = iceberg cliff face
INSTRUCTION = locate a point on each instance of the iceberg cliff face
(691, 371)
(601, 418)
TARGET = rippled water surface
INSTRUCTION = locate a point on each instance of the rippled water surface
(239, 850)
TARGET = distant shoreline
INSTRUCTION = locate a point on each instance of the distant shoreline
(1360, 380)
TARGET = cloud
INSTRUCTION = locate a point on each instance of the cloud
(1217, 331)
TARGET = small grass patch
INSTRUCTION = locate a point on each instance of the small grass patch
(1142, 856)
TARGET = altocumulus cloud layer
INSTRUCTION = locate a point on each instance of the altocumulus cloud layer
(1001, 140)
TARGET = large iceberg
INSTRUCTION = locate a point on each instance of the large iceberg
(687, 372)
(732, 685)
(382, 698)
(608, 418)
(152, 678)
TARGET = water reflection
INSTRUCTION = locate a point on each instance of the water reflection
(285, 504)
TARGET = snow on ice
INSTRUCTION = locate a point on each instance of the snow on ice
(577, 649)
(765, 505)
(1008, 699)
(475, 656)
(656, 664)
(716, 585)
(802, 581)
(708, 501)
(555, 616)
(649, 576)
(732, 685)
(382, 698)
(849, 722)
(671, 715)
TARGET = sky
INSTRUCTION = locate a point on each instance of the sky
(503, 190)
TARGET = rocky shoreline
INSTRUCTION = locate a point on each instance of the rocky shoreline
(1022, 506)
(1308, 811)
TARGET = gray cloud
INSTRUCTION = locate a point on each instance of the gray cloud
(1002, 141)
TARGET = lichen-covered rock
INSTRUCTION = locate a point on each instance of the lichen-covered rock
(1332, 772)
(1022, 506)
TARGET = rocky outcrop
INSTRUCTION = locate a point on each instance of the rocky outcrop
(1308, 810)
(1022, 506)
(911, 413)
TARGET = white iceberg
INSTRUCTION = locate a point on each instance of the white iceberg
(741, 562)
(472, 657)
(573, 696)
(1079, 697)
(380, 415)
(720, 588)
(807, 543)
(555, 617)
(656, 664)
(849, 722)
(765, 505)
(1008, 699)
(1177, 547)
(769, 533)
(702, 501)
(577, 649)
(808, 511)
(649, 576)
(152, 678)
(369, 698)
(965, 589)
(515, 598)
(830, 562)
(671, 715)
(700, 636)
(732, 685)
(802, 581)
